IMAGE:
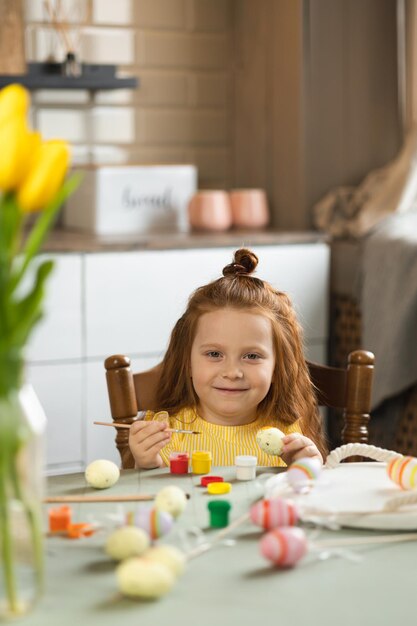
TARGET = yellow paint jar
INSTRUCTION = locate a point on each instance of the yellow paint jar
(201, 462)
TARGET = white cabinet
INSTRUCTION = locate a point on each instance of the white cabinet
(144, 293)
(100, 304)
(55, 367)
(133, 299)
(60, 389)
(59, 334)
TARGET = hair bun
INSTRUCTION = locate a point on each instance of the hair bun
(244, 262)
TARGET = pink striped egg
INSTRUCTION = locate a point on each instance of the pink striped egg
(303, 472)
(273, 513)
(156, 523)
(403, 471)
(284, 546)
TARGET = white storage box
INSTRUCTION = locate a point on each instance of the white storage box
(132, 199)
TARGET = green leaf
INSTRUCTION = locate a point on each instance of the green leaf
(27, 312)
(10, 222)
(42, 227)
(10, 227)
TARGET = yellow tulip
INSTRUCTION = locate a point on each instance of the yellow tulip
(14, 102)
(17, 147)
(45, 177)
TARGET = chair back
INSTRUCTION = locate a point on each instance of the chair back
(347, 389)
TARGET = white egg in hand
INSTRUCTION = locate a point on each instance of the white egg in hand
(102, 474)
(142, 578)
(126, 542)
(171, 499)
(270, 440)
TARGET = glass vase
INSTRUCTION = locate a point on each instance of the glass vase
(22, 427)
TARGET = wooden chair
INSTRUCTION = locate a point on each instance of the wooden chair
(348, 389)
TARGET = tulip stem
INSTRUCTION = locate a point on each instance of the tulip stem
(42, 227)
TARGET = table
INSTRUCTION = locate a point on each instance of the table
(227, 585)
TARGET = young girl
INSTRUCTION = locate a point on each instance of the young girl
(234, 364)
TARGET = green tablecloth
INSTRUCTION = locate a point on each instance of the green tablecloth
(228, 585)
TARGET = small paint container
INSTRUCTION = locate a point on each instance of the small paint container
(201, 462)
(246, 467)
(219, 513)
(178, 462)
(59, 519)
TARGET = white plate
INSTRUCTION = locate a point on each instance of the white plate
(354, 495)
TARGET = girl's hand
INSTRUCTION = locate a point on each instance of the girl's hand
(146, 439)
(297, 446)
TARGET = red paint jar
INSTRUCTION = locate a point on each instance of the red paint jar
(178, 462)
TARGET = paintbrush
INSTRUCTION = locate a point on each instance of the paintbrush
(169, 430)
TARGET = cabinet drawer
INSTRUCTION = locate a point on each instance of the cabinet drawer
(58, 334)
(134, 299)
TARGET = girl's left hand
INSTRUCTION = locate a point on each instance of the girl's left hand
(297, 446)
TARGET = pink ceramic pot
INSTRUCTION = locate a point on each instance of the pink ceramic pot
(249, 208)
(210, 210)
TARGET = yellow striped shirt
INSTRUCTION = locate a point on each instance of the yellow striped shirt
(224, 442)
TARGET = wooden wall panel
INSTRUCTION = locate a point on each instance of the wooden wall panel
(316, 98)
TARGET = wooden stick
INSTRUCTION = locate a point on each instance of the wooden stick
(138, 497)
(127, 498)
(168, 430)
(358, 541)
(218, 537)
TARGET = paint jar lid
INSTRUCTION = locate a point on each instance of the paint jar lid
(219, 488)
(206, 480)
(246, 460)
(178, 456)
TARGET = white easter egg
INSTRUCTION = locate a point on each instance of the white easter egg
(126, 542)
(170, 556)
(143, 578)
(171, 499)
(270, 440)
(102, 474)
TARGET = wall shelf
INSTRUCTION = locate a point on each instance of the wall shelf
(51, 76)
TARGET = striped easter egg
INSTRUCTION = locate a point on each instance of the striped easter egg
(284, 546)
(156, 523)
(270, 514)
(303, 472)
(403, 471)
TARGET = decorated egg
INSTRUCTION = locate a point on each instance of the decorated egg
(270, 440)
(403, 471)
(102, 474)
(126, 542)
(270, 514)
(303, 472)
(171, 499)
(170, 556)
(156, 523)
(284, 546)
(143, 578)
